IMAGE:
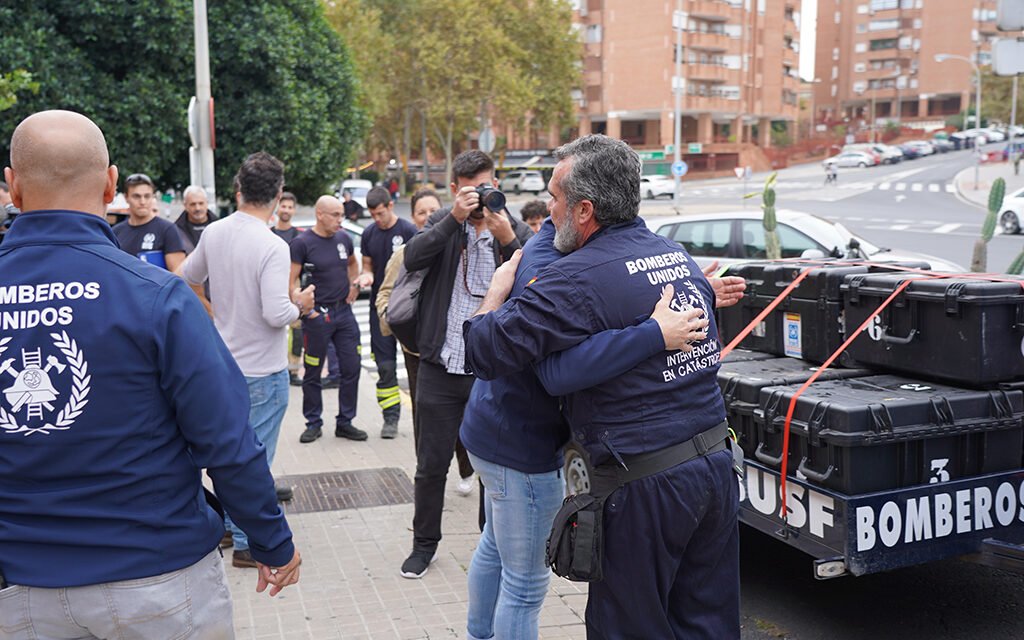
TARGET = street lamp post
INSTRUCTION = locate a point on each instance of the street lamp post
(810, 132)
(677, 89)
(942, 57)
(201, 156)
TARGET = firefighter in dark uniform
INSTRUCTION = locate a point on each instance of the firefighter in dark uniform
(671, 546)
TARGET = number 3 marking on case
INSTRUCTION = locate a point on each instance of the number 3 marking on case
(939, 473)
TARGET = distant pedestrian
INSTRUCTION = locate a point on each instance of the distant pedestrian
(335, 272)
(392, 189)
(195, 218)
(283, 229)
(533, 214)
(285, 211)
(1016, 162)
(353, 210)
(380, 240)
(144, 234)
(105, 528)
(248, 272)
(831, 173)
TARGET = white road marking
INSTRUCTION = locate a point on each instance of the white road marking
(901, 186)
(950, 188)
(884, 186)
(917, 186)
(946, 228)
(934, 188)
(899, 227)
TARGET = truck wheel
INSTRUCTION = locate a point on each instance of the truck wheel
(576, 470)
(1010, 223)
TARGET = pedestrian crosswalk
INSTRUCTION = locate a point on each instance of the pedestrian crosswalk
(361, 309)
(817, 190)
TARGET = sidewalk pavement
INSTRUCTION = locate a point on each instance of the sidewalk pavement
(352, 520)
(987, 173)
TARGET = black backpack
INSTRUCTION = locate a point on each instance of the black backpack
(403, 306)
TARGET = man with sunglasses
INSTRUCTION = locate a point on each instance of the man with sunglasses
(144, 234)
(462, 246)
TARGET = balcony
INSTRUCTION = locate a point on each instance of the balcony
(790, 58)
(708, 72)
(710, 10)
(708, 41)
(712, 103)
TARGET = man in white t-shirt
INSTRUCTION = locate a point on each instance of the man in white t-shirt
(248, 267)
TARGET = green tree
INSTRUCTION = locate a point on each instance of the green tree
(996, 96)
(12, 83)
(281, 79)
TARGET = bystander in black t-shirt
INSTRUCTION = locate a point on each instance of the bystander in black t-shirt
(330, 256)
(353, 210)
(379, 244)
(287, 235)
(156, 235)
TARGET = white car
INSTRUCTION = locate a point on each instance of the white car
(739, 235)
(519, 181)
(655, 186)
(851, 159)
(993, 135)
(924, 147)
(358, 189)
(1012, 212)
(889, 153)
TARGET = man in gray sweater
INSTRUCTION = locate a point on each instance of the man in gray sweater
(247, 266)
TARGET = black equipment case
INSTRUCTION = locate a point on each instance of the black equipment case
(808, 324)
(964, 331)
(884, 432)
(741, 384)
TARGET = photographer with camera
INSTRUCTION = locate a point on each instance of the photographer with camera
(334, 273)
(462, 246)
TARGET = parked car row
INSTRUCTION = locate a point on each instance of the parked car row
(870, 154)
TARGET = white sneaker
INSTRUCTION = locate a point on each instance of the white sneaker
(465, 485)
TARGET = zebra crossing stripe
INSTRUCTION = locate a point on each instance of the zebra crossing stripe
(950, 188)
(884, 186)
(917, 186)
(900, 186)
(934, 188)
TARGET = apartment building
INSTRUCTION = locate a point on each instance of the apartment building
(875, 59)
(739, 74)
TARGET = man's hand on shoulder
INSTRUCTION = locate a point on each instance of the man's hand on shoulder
(728, 289)
(277, 578)
(679, 328)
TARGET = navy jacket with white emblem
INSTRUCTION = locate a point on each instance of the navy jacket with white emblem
(134, 394)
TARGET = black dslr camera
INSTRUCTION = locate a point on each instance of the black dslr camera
(490, 198)
(306, 277)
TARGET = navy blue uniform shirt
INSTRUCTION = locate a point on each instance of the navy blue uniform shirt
(516, 422)
(379, 244)
(330, 255)
(612, 282)
(156, 235)
(116, 391)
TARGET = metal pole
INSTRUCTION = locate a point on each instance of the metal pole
(204, 102)
(1013, 109)
(873, 117)
(677, 89)
(977, 120)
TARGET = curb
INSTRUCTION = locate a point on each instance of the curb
(960, 193)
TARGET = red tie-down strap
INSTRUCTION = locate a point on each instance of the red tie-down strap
(923, 275)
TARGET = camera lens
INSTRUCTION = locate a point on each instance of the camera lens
(494, 200)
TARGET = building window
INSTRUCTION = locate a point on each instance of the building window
(917, 23)
(860, 67)
(862, 8)
(838, 16)
(862, 28)
(882, 25)
(906, 42)
(882, 5)
(884, 43)
(593, 34)
(860, 47)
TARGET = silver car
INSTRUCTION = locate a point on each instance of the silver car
(739, 235)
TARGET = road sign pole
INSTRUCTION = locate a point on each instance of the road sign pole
(204, 104)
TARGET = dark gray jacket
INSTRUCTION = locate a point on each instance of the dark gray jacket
(438, 247)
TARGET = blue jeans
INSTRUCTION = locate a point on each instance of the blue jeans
(268, 399)
(507, 577)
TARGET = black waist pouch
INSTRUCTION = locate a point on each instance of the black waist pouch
(575, 546)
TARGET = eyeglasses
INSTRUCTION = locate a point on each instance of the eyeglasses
(138, 178)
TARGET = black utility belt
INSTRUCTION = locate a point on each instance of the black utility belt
(575, 547)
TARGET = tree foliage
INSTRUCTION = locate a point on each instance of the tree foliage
(12, 83)
(281, 79)
(450, 60)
